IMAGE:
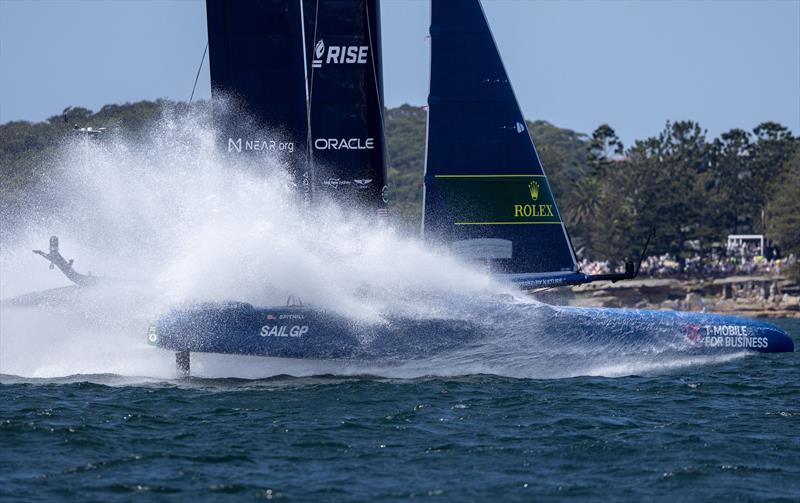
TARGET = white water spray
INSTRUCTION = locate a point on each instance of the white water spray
(171, 220)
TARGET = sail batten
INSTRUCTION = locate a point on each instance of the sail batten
(484, 182)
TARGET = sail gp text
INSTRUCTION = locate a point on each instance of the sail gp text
(727, 336)
(284, 330)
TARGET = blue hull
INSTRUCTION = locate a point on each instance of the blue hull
(304, 332)
(684, 331)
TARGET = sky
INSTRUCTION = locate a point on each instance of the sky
(577, 64)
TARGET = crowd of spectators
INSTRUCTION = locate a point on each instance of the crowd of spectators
(742, 261)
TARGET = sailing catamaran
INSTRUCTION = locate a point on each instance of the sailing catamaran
(486, 195)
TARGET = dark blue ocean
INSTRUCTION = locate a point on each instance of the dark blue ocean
(716, 430)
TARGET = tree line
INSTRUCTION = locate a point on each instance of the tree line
(691, 189)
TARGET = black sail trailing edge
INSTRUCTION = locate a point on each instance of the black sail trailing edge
(345, 87)
(258, 80)
(486, 194)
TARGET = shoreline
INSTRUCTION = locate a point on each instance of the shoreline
(750, 296)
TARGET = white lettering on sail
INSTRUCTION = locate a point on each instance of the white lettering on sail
(336, 182)
(238, 145)
(344, 144)
(333, 53)
(339, 54)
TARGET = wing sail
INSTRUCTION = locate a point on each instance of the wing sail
(258, 81)
(486, 193)
(343, 58)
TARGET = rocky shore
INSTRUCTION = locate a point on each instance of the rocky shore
(752, 296)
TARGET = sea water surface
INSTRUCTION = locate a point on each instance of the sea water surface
(716, 430)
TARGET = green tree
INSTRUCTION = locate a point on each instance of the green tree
(729, 164)
(405, 144)
(783, 209)
(604, 147)
(771, 152)
(660, 185)
(588, 194)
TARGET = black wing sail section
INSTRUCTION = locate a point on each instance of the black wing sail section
(343, 57)
(258, 82)
(486, 194)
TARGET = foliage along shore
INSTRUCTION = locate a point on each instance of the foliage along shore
(691, 189)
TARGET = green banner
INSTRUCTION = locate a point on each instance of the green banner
(498, 199)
